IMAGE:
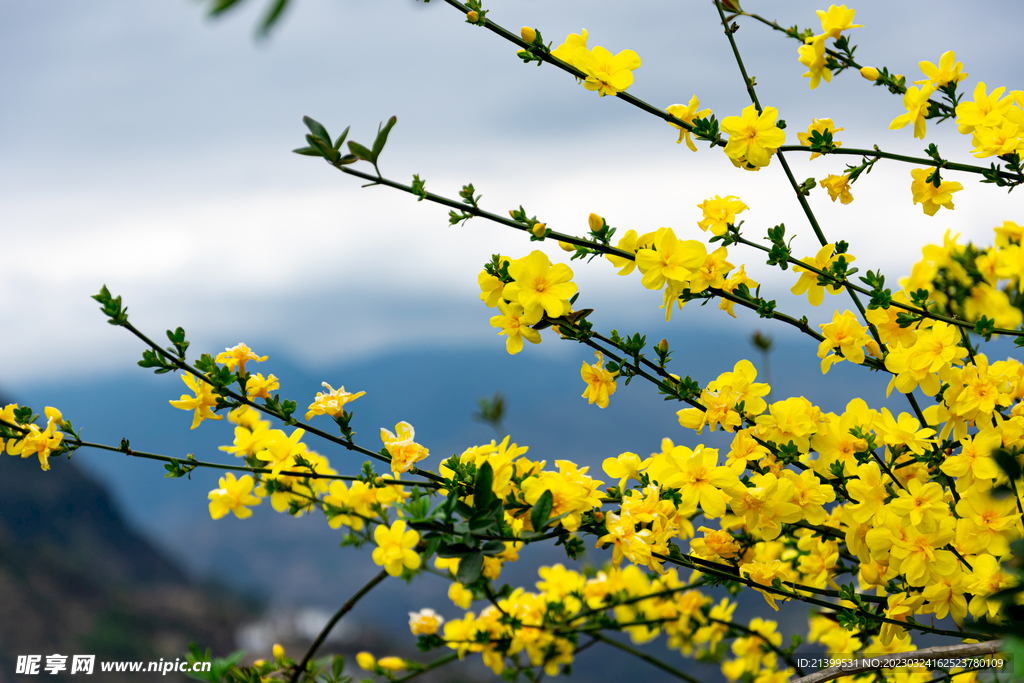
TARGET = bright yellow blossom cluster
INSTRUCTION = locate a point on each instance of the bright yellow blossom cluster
(606, 73)
(534, 288)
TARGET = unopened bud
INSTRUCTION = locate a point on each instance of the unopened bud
(869, 72)
(366, 661)
(472, 16)
(663, 346)
(598, 516)
(392, 663)
(379, 481)
(596, 222)
(539, 230)
(529, 35)
(278, 651)
(566, 246)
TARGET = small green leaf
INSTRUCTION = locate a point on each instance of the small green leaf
(541, 511)
(382, 137)
(317, 129)
(338, 666)
(272, 17)
(482, 492)
(470, 568)
(307, 151)
(341, 138)
(360, 151)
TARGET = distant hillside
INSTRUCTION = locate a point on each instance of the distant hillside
(75, 579)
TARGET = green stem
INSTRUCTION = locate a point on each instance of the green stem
(437, 663)
(345, 609)
(646, 657)
(228, 392)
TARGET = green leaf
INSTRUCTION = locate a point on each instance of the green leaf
(317, 129)
(221, 6)
(272, 17)
(341, 138)
(541, 511)
(360, 151)
(308, 152)
(382, 137)
(482, 492)
(338, 666)
(470, 568)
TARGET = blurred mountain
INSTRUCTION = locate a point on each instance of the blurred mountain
(76, 578)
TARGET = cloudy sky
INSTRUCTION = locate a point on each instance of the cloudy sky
(147, 147)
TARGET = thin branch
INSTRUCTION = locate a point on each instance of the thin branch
(345, 609)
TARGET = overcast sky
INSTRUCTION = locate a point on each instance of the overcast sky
(147, 147)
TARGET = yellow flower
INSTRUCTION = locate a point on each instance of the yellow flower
(238, 356)
(540, 287)
(261, 387)
(916, 102)
(808, 281)
(712, 272)
(425, 622)
(491, 288)
(836, 20)
(985, 110)
(201, 403)
(607, 74)
(753, 137)
(735, 280)
(687, 113)
(625, 467)
(843, 335)
(720, 213)
(764, 573)
(233, 496)
(395, 548)
(948, 71)
(838, 187)
(403, 450)
(820, 126)
(366, 661)
(566, 52)
(670, 259)
(514, 326)
(900, 606)
(700, 481)
(572, 491)
(460, 595)
(600, 382)
(36, 441)
(812, 55)
(332, 403)
(930, 197)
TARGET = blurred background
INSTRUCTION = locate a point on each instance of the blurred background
(147, 147)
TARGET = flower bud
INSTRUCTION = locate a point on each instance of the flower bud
(539, 230)
(472, 16)
(663, 346)
(596, 222)
(566, 246)
(379, 481)
(869, 72)
(366, 661)
(529, 35)
(278, 651)
(391, 663)
(598, 516)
